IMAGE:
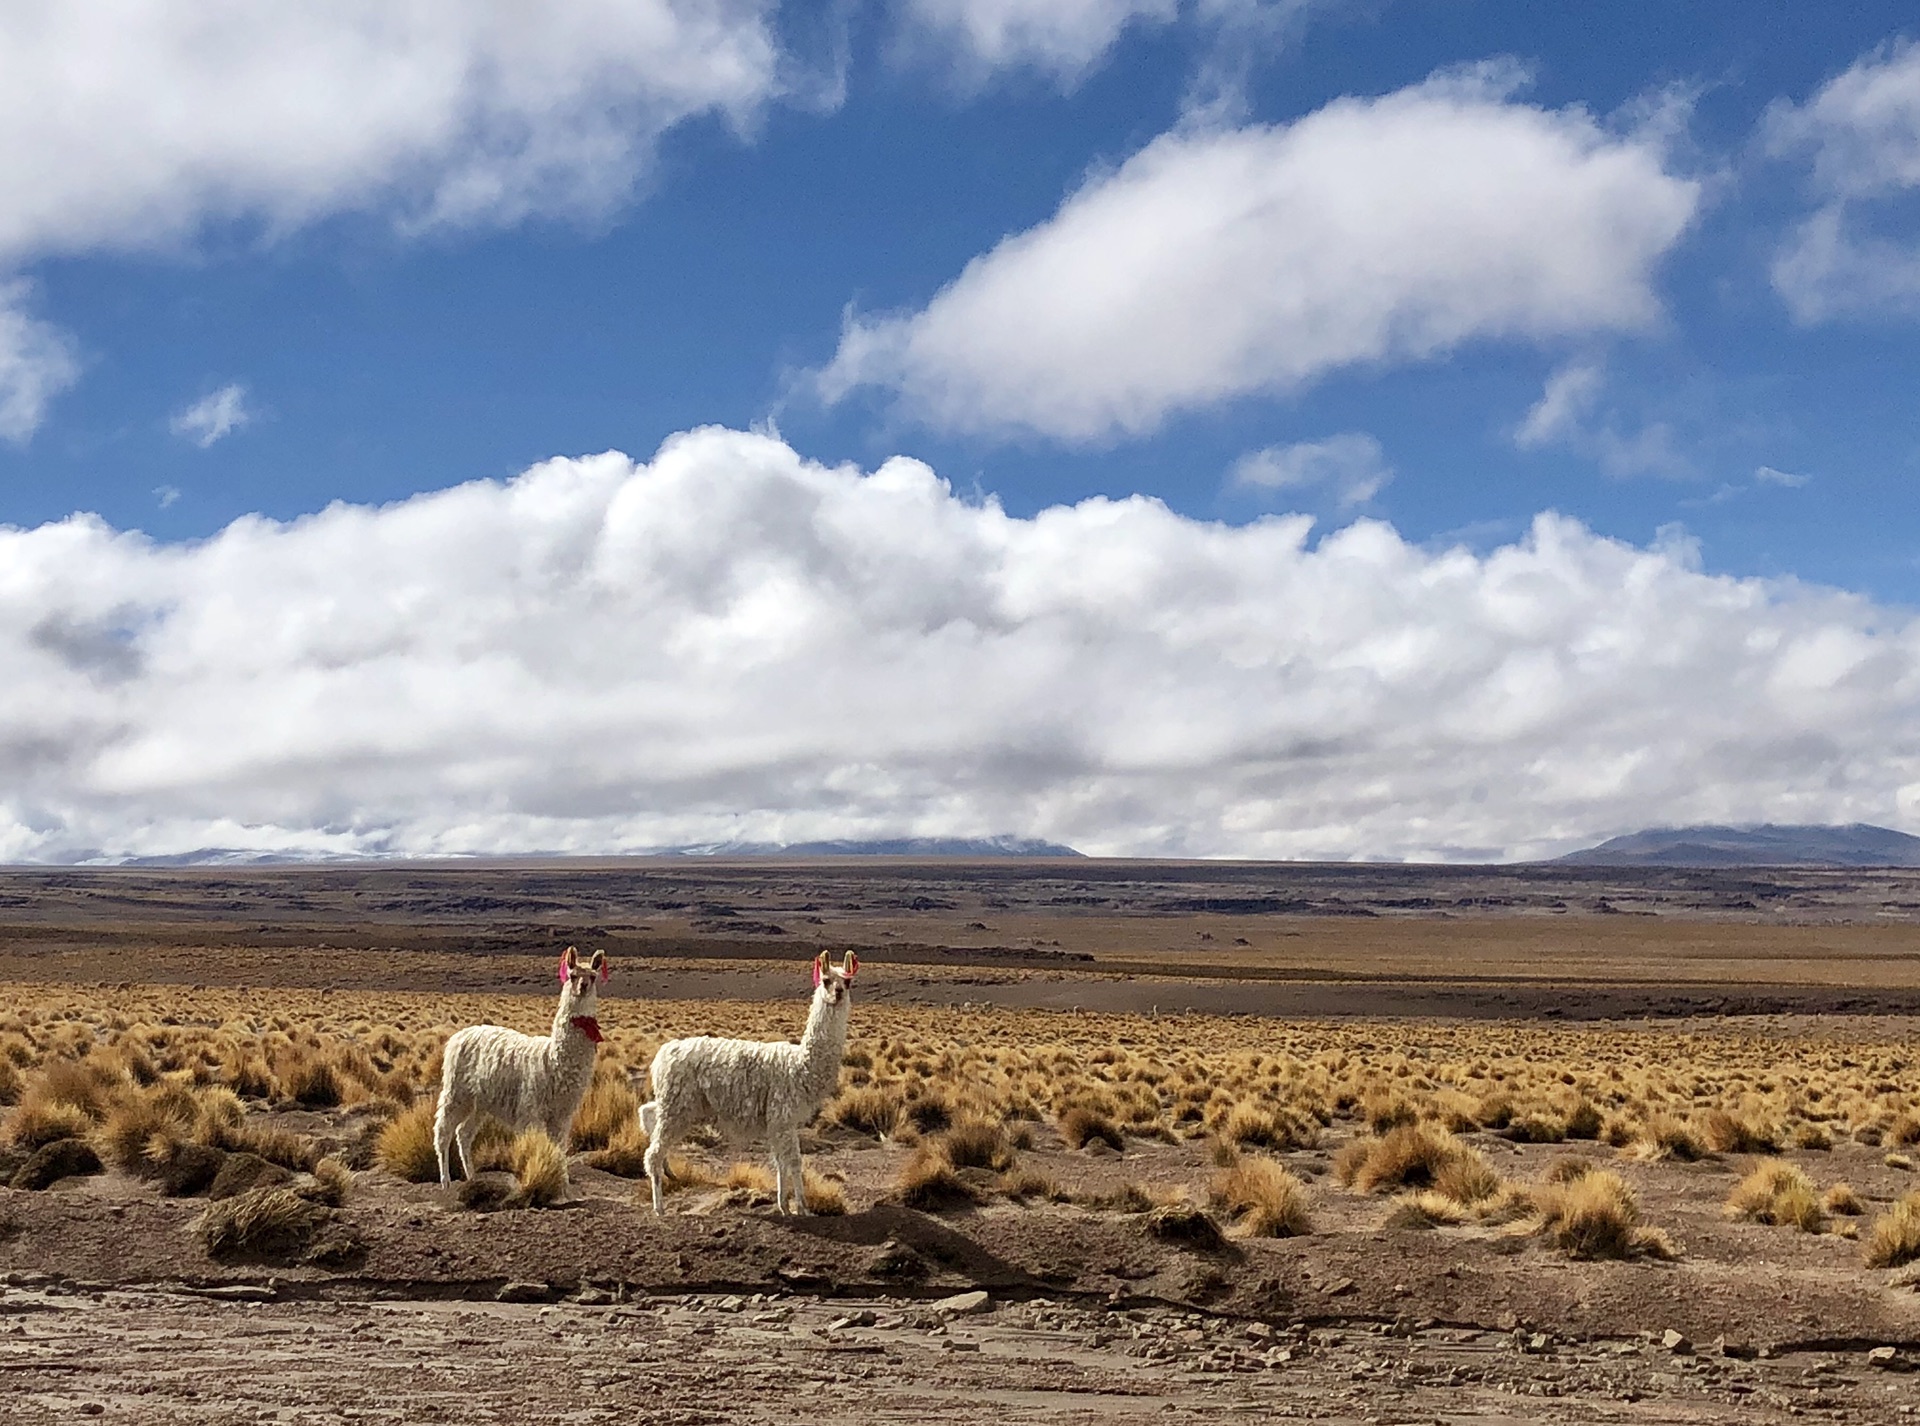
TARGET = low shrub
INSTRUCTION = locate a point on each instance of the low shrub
(1778, 1194)
(1082, 1125)
(1894, 1239)
(404, 1147)
(539, 1166)
(1263, 1198)
(928, 1180)
(1596, 1216)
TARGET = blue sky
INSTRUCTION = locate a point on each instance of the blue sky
(1442, 269)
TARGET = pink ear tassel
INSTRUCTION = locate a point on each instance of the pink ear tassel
(603, 972)
(816, 975)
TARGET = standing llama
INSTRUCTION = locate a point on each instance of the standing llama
(524, 1081)
(751, 1090)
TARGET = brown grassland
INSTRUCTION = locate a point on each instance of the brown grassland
(1064, 1117)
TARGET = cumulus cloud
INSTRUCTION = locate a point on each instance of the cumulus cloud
(37, 363)
(136, 126)
(1861, 133)
(1569, 414)
(217, 414)
(1351, 466)
(1063, 38)
(729, 640)
(1214, 264)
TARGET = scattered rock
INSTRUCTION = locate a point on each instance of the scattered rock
(1186, 1225)
(896, 1259)
(863, 1318)
(243, 1172)
(63, 1158)
(1888, 1359)
(524, 1292)
(487, 1192)
(1739, 1351)
(1677, 1343)
(960, 1303)
(1338, 1287)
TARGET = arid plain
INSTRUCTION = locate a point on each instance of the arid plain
(1217, 1141)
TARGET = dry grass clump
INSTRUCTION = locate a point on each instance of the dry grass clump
(1894, 1239)
(1778, 1194)
(1726, 1133)
(10, 1081)
(1251, 1126)
(1596, 1215)
(1904, 1132)
(1812, 1137)
(1263, 1199)
(1665, 1137)
(929, 1181)
(1841, 1201)
(1021, 1185)
(38, 1122)
(1411, 1156)
(264, 1223)
(871, 1109)
(1082, 1125)
(625, 1154)
(977, 1142)
(539, 1166)
(404, 1147)
(608, 1108)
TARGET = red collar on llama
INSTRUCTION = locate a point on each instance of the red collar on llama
(588, 1026)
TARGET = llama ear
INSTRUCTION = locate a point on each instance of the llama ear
(599, 963)
(820, 963)
(850, 965)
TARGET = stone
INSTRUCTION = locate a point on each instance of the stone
(1339, 1287)
(523, 1292)
(1676, 1342)
(961, 1303)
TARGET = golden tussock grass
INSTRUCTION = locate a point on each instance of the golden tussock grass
(404, 1146)
(1665, 1137)
(539, 1166)
(264, 1222)
(36, 1123)
(977, 1142)
(11, 1081)
(1894, 1239)
(1596, 1215)
(928, 1180)
(1263, 1199)
(608, 1107)
(1842, 1201)
(1727, 1133)
(1410, 1156)
(624, 1155)
(870, 1109)
(1778, 1194)
(1082, 1125)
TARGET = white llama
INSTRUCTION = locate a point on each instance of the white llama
(524, 1081)
(752, 1090)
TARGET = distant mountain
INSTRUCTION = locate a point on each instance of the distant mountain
(884, 847)
(1858, 845)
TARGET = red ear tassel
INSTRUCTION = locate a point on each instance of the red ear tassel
(816, 974)
(563, 970)
(603, 972)
(852, 965)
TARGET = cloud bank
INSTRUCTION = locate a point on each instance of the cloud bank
(731, 641)
(1220, 263)
(1063, 38)
(1861, 133)
(137, 124)
(37, 363)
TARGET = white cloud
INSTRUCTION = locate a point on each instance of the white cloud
(135, 124)
(1351, 466)
(214, 415)
(166, 496)
(730, 640)
(1862, 132)
(1215, 264)
(37, 363)
(1567, 414)
(1767, 475)
(1063, 38)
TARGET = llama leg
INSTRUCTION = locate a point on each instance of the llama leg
(463, 1138)
(656, 1161)
(779, 1182)
(443, 1123)
(794, 1174)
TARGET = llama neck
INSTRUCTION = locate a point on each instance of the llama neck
(568, 1046)
(822, 1045)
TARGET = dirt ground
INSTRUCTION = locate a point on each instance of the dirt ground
(1053, 1313)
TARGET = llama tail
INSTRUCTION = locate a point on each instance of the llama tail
(649, 1118)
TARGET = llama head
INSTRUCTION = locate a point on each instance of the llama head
(834, 983)
(580, 978)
